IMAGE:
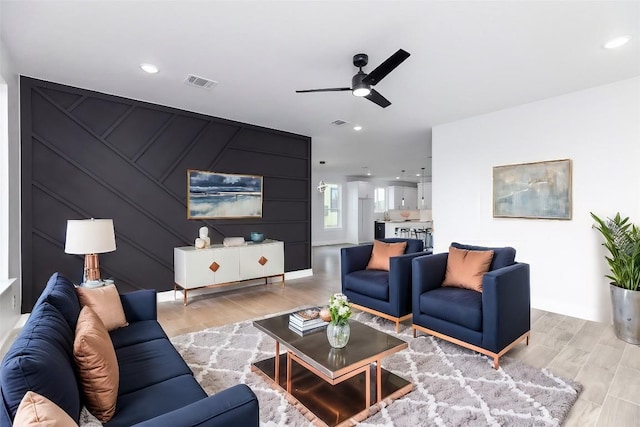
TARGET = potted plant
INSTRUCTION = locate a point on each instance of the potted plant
(622, 240)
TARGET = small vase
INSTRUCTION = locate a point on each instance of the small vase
(338, 335)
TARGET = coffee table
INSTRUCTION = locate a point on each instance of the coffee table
(334, 384)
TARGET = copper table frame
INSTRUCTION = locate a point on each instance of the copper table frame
(369, 365)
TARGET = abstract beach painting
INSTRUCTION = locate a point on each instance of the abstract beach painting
(539, 190)
(213, 195)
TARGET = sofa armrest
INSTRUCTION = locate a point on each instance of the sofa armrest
(506, 306)
(354, 258)
(140, 305)
(427, 274)
(235, 406)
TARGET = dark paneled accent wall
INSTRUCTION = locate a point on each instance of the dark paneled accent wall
(87, 154)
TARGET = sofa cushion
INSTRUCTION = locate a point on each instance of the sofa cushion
(38, 411)
(456, 305)
(106, 303)
(44, 345)
(97, 365)
(156, 399)
(137, 332)
(465, 268)
(148, 363)
(60, 292)
(372, 283)
(381, 253)
(502, 257)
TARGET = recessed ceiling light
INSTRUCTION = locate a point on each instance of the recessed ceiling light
(149, 68)
(397, 177)
(357, 127)
(617, 42)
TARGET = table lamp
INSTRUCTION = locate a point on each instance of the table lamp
(90, 237)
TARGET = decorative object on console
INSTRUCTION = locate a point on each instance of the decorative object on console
(220, 195)
(539, 190)
(257, 237)
(338, 330)
(622, 240)
(233, 241)
(90, 237)
(203, 233)
(200, 243)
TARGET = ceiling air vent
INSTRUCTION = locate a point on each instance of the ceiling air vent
(197, 81)
(338, 122)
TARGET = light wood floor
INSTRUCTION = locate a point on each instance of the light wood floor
(588, 352)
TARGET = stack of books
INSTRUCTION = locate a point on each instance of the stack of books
(306, 321)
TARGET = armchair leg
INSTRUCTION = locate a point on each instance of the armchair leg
(494, 356)
(415, 331)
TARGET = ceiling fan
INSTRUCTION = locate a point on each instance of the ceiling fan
(361, 82)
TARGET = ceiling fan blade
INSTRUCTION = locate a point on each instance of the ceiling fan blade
(386, 67)
(376, 98)
(331, 89)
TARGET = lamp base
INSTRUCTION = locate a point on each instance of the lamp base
(91, 267)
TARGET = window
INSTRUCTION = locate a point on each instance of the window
(4, 181)
(380, 199)
(332, 203)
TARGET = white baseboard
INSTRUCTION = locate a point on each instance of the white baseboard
(298, 274)
(329, 243)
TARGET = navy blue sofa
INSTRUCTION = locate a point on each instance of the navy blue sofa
(156, 388)
(386, 294)
(490, 322)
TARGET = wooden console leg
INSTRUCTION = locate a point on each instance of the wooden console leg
(185, 297)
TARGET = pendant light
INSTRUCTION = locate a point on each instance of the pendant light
(402, 189)
(422, 181)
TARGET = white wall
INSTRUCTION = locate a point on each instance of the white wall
(320, 236)
(8, 314)
(599, 130)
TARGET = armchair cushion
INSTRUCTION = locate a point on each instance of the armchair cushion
(465, 268)
(381, 253)
(372, 283)
(502, 257)
(460, 306)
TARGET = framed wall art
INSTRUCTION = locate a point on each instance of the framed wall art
(539, 190)
(213, 195)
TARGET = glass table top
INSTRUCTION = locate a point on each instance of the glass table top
(365, 345)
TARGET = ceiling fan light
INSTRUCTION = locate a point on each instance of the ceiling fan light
(617, 42)
(361, 91)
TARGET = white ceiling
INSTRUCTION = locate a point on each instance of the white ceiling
(467, 58)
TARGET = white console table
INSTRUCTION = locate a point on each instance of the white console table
(220, 265)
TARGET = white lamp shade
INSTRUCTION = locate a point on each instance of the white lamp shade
(90, 236)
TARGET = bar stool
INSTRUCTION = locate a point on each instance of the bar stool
(421, 233)
(403, 232)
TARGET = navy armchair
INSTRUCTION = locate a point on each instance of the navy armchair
(490, 322)
(386, 294)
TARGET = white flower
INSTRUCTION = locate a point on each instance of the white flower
(343, 310)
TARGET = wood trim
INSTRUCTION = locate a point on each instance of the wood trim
(397, 320)
(495, 356)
